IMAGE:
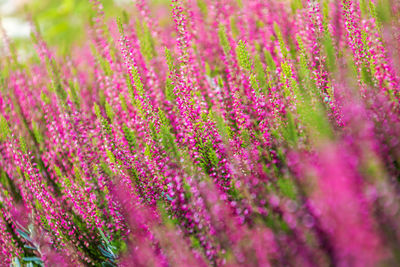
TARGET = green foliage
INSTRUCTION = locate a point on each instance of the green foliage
(137, 81)
(260, 72)
(111, 156)
(31, 260)
(165, 214)
(203, 7)
(167, 138)
(208, 158)
(234, 27)
(130, 137)
(364, 7)
(169, 90)
(223, 39)
(16, 262)
(223, 129)
(296, 5)
(330, 53)
(170, 61)
(282, 45)
(243, 56)
(287, 187)
(109, 111)
(382, 10)
(4, 129)
(73, 88)
(146, 40)
(22, 144)
(120, 26)
(104, 122)
(289, 130)
(123, 102)
(107, 250)
(65, 18)
(269, 60)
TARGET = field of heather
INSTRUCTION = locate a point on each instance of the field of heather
(185, 133)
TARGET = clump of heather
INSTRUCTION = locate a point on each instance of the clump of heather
(206, 133)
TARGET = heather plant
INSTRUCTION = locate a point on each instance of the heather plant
(205, 133)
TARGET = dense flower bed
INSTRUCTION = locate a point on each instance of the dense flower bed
(207, 133)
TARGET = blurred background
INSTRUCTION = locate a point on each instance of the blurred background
(62, 22)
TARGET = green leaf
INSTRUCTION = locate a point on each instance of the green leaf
(107, 264)
(32, 259)
(16, 262)
(24, 235)
(30, 247)
(103, 236)
(106, 253)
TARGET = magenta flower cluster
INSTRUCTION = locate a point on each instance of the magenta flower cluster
(206, 133)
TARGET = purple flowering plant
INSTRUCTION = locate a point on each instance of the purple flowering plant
(206, 133)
